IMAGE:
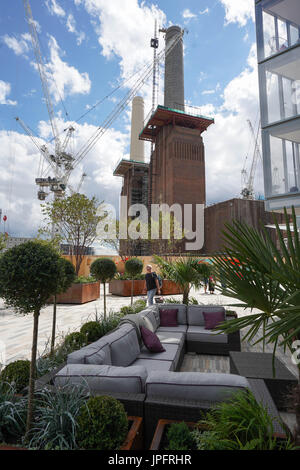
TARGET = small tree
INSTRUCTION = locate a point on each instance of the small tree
(28, 277)
(3, 238)
(76, 220)
(64, 281)
(134, 267)
(104, 270)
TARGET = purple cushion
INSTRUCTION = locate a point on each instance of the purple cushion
(168, 317)
(151, 341)
(213, 319)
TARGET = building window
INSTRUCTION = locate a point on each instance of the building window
(279, 26)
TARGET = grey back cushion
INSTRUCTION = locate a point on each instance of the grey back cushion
(182, 310)
(195, 313)
(103, 378)
(96, 353)
(197, 386)
(124, 346)
(148, 319)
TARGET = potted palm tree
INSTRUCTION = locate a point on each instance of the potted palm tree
(265, 277)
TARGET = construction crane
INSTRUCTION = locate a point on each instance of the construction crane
(248, 180)
(61, 162)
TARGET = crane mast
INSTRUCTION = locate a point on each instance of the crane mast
(248, 190)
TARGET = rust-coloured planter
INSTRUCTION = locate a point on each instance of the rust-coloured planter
(134, 439)
(123, 288)
(170, 288)
(159, 431)
(79, 293)
(11, 447)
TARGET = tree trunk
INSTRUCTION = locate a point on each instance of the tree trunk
(132, 285)
(104, 300)
(53, 327)
(185, 298)
(32, 373)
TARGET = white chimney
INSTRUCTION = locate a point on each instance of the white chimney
(137, 124)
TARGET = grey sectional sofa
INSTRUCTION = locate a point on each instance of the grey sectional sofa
(120, 362)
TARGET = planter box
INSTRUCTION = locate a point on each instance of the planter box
(11, 447)
(79, 294)
(123, 288)
(160, 430)
(134, 439)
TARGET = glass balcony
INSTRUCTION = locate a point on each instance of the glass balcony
(278, 26)
(280, 87)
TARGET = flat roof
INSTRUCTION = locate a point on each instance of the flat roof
(163, 116)
(124, 165)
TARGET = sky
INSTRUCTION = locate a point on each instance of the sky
(91, 50)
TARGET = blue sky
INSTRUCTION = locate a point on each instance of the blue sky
(90, 47)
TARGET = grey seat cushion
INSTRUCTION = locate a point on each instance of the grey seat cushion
(200, 334)
(182, 312)
(172, 329)
(103, 378)
(124, 346)
(168, 355)
(168, 337)
(195, 313)
(196, 386)
(153, 365)
(97, 353)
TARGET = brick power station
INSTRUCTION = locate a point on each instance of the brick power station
(176, 172)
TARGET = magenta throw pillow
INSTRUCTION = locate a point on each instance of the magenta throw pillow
(168, 317)
(213, 319)
(151, 341)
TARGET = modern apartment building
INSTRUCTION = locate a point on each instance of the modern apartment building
(278, 47)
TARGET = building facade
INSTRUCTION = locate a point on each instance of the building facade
(278, 49)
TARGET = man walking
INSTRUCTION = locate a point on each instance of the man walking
(152, 284)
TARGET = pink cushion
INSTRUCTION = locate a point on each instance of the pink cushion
(168, 317)
(151, 341)
(213, 319)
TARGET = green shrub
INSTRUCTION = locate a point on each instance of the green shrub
(13, 412)
(110, 323)
(139, 305)
(241, 423)
(56, 417)
(102, 424)
(128, 277)
(17, 373)
(127, 310)
(84, 279)
(74, 341)
(180, 437)
(91, 331)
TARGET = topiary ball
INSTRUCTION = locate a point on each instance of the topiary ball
(102, 424)
(74, 341)
(17, 373)
(134, 266)
(91, 331)
(103, 269)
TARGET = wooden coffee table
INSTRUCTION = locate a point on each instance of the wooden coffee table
(259, 366)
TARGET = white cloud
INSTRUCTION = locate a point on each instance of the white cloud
(227, 141)
(204, 12)
(19, 162)
(54, 8)
(188, 15)
(20, 45)
(71, 26)
(5, 89)
(68, 80)
(208, 92)
(238, 11)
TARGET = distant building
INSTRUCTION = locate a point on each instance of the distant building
(278, 49)
(11, 242)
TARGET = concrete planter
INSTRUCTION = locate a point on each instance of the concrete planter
(123, 288)
(79, 294)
